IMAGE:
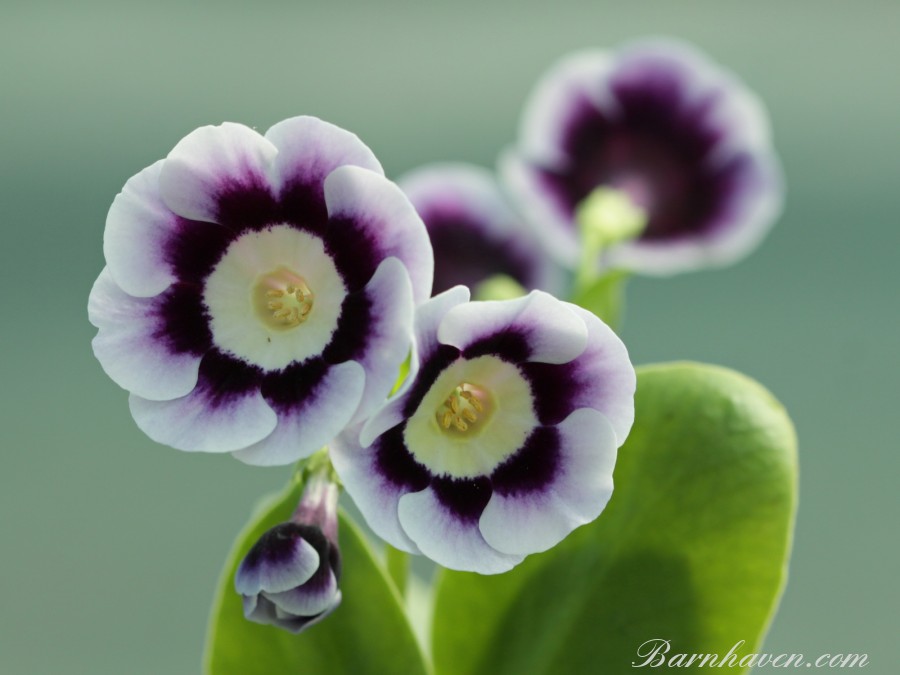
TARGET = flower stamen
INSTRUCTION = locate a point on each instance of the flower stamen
(283, 299)
(462, 409)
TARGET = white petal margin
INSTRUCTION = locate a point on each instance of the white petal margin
(376, 498)
(379, 211)
(307, 600)
(472, 189)
(542, 209)
(390, 334)
(275, 577)
(605, 376)
(427, 318)
(555, 334)
(210, 160)
(192, 424)
(314, 422)
(579, 79)
(309, 149)
(137, 227)
(126, 348)
(448, 541)
(475, 191)
(535, 522)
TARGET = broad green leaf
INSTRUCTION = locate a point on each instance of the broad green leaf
(397, 563)
(693, 547)
(368, 633)
(605, 297)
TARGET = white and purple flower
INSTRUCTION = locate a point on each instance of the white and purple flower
(503, 438)
(657, 121)
(474, 231)
(259, 290)
(290, 576)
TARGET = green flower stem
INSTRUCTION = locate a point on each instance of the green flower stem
(606, 216)
(498, 287)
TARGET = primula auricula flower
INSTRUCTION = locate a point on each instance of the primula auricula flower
(474, 232)
(502, 439)
(259, 290)
(658, 123)
(290, 576)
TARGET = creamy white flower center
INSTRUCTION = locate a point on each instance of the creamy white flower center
(477, 414)
(274, 298)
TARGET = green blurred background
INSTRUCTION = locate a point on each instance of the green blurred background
(111, 545)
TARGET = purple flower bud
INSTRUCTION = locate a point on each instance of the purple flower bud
(290, 577)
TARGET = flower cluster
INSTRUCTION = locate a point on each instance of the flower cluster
(262, 293)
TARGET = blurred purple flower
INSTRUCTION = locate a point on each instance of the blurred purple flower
(474, 232)
(682, 138)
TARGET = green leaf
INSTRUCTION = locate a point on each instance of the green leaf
(397, 563)
(692, 548)
(368, 633)
(605, 297)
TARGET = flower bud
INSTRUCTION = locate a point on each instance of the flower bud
(290, 577)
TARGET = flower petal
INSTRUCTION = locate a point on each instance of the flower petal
(370, 219)
(308, 150)
(211, 165)
(128, 346)
(427, 318)
(573, 87)
(313, 597)
(225, 411)
(389, 337)
(449, 540)
(280, 560)
(310, 422)
(539, 325)
(545, 205)
(376, 477)
(138, 226)
(474, 231)
(601, 377)
(521, 518)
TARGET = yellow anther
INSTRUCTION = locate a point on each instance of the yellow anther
(472, 399)
(462, 408)
(282, 299)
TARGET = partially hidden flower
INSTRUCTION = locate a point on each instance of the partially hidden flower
(290, 576)
(504, 436)
(259, 290)
(474, 231)
(657, 122)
